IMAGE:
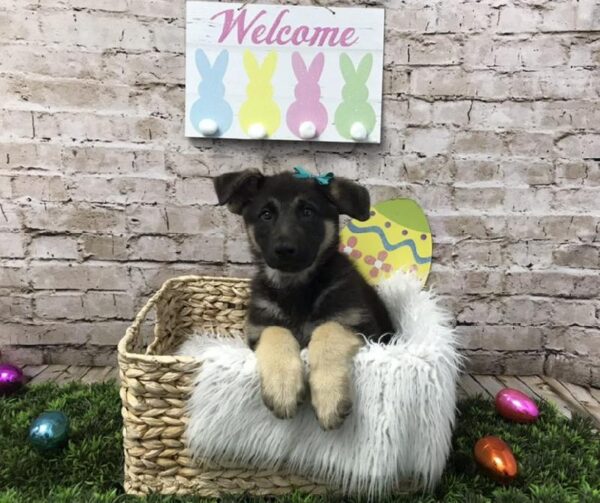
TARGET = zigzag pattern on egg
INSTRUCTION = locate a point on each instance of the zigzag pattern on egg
(396, 237)
(387, 245)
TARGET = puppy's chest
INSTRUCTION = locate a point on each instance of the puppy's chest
(294, 310)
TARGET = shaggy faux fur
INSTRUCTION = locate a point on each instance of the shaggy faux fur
(401, 424)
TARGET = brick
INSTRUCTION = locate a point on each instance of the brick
(54, 247)
(480, 142)
(74, 217)
(168, 37)
(155, 8)
(84, 306)
(458, 225)
(13, 274)
(53, 61)
(517, 19)
(187, 164)
(577, 172)
(97, 332)
(93, 30)
(579, 145)
(539, 199)
(529, 311)
(576, 341)
(16, 124)
(553, 227)
(455, 82)
(191, 191)
(573, 83)
(25, 355)
(454, 112)
(12, 245)
(501, 115)
(103, 247)
(9, 215)
(66, 93)
(578, 255)
(158, 248)
(568, 368)
(563, 282)
(89, 126)
(464, 17)
(119, 189)
(39, 188)
(412, 19)
(111, 160)
(570, 16)
(147, 278)
(574, 114)
(584, 200)
(435, 50)
(414, 168)
(474, 169)
(61, 276)
(531, 171)
(510, 362)
(15, 307)
(25, 156)
(499, 337)
(473, 197)
(428, 141)
(207, 247)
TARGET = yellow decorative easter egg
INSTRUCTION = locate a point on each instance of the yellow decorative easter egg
(396, 237)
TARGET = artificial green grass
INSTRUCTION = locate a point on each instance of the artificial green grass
(559, 460)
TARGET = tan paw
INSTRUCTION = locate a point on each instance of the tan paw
(330, 397)
(282, 389)
(281, 371)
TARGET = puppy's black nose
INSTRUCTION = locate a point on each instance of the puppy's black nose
(285, 251)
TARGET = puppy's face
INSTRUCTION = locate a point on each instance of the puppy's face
(291, 223)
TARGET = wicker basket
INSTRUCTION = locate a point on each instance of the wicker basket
(156, 385)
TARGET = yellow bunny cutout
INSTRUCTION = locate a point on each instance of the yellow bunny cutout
(259, 115)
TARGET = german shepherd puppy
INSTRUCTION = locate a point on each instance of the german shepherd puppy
(305, 293)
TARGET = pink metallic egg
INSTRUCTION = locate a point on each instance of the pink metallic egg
(517, 406)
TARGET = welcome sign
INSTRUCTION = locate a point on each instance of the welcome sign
(283, 72)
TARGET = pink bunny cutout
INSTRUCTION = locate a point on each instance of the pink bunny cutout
(307, 117)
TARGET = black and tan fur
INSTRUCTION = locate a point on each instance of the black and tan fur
(305, 293)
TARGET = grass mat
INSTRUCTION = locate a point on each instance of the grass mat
(559, 460)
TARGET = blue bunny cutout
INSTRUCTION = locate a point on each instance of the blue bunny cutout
(300, 172)
(211, 103)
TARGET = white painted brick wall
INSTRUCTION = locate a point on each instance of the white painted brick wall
(491, 121)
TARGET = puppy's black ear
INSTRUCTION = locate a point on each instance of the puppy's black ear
(238, 188)
(350, 198)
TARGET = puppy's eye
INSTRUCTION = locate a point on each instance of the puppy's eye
(307, 212)
(266, 215)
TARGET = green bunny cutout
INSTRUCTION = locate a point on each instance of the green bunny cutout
(355, 107)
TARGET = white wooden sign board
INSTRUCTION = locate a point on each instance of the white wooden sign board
(283, 72)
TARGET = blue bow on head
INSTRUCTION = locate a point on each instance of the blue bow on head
(301, 173)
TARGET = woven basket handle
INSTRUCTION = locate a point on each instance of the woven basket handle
(133, 333)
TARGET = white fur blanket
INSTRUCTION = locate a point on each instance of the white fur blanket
(402, 418)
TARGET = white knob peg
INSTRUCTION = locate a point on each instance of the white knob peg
(307, 130)
(208, 127)
(257, 131)
(358, 131)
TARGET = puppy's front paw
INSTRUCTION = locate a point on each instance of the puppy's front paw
(330, 397)
(281, 372)
(282, 387)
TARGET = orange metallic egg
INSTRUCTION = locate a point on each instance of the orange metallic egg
(496, 458)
